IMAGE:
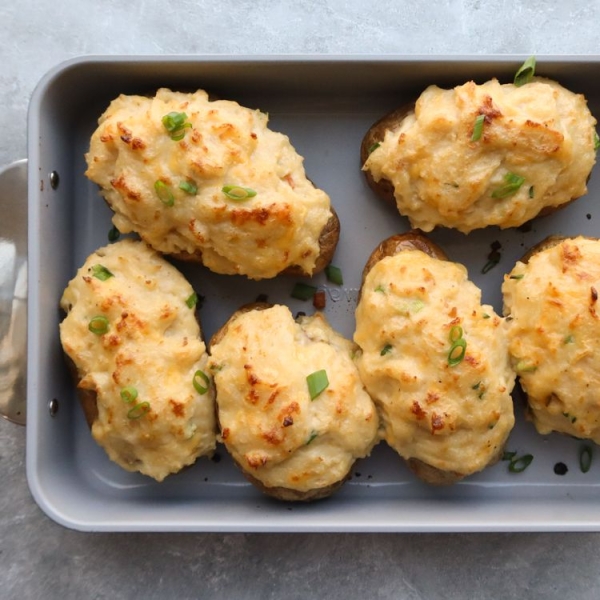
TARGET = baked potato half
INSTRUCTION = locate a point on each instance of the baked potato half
(134, 347)
(551, 303)
(208, 181)
(293, 412)
(434, 360)
(480, 155)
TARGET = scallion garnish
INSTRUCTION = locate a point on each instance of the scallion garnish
(139, 410)
(192, 300)
(303, 291)
(374, 147)
(101, 272)
(176, 124)
(457, 352)
(236, 192)
(486, 316)
(525, 72)
(478, 128)
(569, 339)
(524, 366)
(518, 276)
(585, 458)
(98, 325)
(188, 187)
(455, 333)
(317, 383)
(200, 375)
(313, 435)
(129, 394)
(519, 464)
(380, 289)
(164, 193)
(334, 274)
(386, 349)
(531, 191)
(512, 184)
(596, 141)
(114, 234)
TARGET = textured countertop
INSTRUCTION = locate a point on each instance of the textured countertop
(40, 559)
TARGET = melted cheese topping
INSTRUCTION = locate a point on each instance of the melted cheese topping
(226, 144)
(554, 335)
(539, 131)
(153, 344)
(269, 423)
(455, 418)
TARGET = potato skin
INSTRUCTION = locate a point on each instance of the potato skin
(416, 240)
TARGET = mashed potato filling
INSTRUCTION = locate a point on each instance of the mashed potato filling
(435, 361)
(170, 190)
(132, 333)
(269, 423)
(554, 334)
(533, 148)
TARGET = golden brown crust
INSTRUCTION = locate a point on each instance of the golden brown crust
(390, 122)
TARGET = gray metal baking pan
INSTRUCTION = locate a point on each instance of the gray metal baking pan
(324, 104)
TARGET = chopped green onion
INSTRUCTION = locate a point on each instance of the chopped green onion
(531, 191)
(380, 288)
(525, 72)
(139, 410)
(455, 333)
(585, 457)
(303, 291)
(478, 128)
(374, 147)
(457, 352)
(386, 349)
(486, 316)
(596, 141)
(235, 192)
(513, 183)
(524, 366)
(518, 276)
(165, 195)
(317, 383)
(101, 272)
(334, 274)
(196, 381)
(569, 339)
(192, 300)
(518, 465)
(175, 123)
(188, 187)
(113, 234)
(98, 325)
(129, 394)
(313, 435)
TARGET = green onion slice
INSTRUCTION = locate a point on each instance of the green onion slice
(98, 325)
(236, 192)
(334, 274)
(313, 435)
(478, 128)
(386, 349)
(176, 124)
(380, 289)
(531, 191)
(129, 394)
(457, 352)
(114, 234)
(585, 457)
(164, 193)
(518, 276)
(374, 147)
(455, 333)
(101, 272)
(524, 366)
(303, 291)
(189, 187)
(317, 383)
(596, 141)
(518, 465)
(192, 300)
(512, 184)
(139, 410)
(200, 375)
(525, 72)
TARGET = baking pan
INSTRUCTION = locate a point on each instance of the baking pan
(325, 105)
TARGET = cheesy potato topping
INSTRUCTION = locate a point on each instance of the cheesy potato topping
(533, 149)
(435, 361)
(269, 423)
(170, 190)
(136, 344)
(554, 335)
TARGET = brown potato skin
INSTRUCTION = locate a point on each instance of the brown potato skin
(383, 188)
(279, 493)
(416, 240)
(328, 240)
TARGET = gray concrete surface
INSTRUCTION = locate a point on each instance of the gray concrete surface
(39, 559)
